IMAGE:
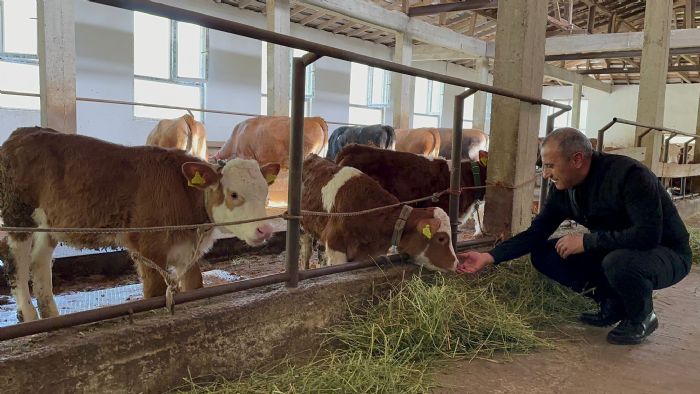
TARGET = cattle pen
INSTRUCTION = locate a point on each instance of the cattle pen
(292, 275)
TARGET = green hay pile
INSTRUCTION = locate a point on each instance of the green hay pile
(695, 244)
(386, 346)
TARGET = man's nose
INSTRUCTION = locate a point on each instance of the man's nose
(546, 173)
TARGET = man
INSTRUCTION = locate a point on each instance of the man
(638, 242)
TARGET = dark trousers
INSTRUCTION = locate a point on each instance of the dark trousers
(625, 274)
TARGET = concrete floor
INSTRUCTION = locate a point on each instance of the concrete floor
(667, 362)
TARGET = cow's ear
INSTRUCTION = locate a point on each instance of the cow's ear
(270, 172)
(483, 157)
(428, 227)
(200, 175)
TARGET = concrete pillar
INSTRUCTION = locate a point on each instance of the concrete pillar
(278, 60)
(56, 48)
(402, 85)
(654, 68)
(480, 98)
(576, 106)
(519, 66)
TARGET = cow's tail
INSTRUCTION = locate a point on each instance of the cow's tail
(189, 120)
(436, 143)
(326, 144)
(390, 138)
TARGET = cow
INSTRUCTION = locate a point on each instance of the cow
(381, 136)
(54, 180)
(422, 141)
(182, 133)
(473, 141)
(266, 139)
(408, 176)
(328, 187)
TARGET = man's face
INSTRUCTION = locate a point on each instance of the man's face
(565, 172)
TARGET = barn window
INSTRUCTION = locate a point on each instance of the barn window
(308, 88)
(170, 61)
(18, 53)
(427, 105)
(369, 94)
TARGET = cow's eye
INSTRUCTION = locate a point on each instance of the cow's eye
(234, 195)
(442, 239)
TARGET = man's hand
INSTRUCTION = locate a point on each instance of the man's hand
(570, 244)
(473, 262)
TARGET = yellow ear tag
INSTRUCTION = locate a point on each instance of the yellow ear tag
(483, 161)
(426, 232)
(196, 180)
(270, 178)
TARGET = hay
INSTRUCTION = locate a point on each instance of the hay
(387, 345)
(695, 244)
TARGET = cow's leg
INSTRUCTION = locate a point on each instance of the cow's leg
(192, 279)
(479, 219)
(153, 283)
(42, 281)
(306, 250)
(334, 257)
(17, 269)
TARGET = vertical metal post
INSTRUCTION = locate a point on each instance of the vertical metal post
(456, 174)
(296, 156)
(545, 182)
(638, 141)
(684, 160)
(601, 134)
(667, 143)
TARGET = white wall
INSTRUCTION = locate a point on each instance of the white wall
(680, 113)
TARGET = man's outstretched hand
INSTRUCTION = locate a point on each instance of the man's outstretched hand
(472, 262)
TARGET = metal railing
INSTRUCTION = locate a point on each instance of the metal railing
(292, 274)
(670, 133)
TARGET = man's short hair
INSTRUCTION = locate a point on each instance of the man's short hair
(570, 141)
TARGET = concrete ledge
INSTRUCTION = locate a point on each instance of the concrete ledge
(227, 335)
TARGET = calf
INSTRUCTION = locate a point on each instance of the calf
(378, 135)
(182, 133)
(408, 176)
(49, 179)
(423, 141)
(327, 187)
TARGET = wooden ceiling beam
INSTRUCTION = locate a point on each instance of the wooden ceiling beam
(451, 7)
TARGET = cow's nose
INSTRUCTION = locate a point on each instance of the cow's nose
(263, 232)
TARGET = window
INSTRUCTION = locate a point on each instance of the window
(564, 120)
(18, 53)
(468, 118)
(369, 94)
(309, 82)
(427, 106)
(169, 66)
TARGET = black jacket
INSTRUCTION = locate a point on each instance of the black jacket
(621, 202)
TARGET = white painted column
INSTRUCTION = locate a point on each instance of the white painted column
(576, 106)
(481, 98)
(652, 83)
(56, 48)
(402, 86)
(278, 60)
(519, 66)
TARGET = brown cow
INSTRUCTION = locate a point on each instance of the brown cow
(266, 139)
(182, 133)
(50, 179)
(408, 176)
(422, 141)
(330, 188)
(473, 141)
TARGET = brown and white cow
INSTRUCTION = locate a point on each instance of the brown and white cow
(50, 179)
(182, 133)
(266, 139)
(422, 141)
(409, 176)
(473, 141)
(328, 187)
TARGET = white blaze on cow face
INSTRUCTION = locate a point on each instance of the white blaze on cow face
(438, 254)
(330, 190)
(245, 185)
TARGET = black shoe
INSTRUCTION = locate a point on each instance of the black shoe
(631, 333)
(611, 311)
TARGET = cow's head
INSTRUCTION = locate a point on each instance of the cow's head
(234, 192)
(428, 240)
